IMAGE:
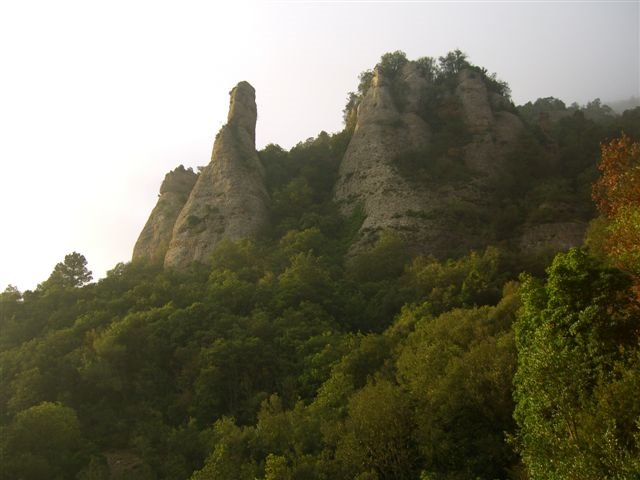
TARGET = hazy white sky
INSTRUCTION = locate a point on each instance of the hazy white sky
(99, 99)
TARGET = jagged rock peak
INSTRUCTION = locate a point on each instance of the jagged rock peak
(229, 201)
(154, 239)
(179, 180)
(243, 111)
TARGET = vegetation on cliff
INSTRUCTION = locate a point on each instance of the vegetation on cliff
(291, 357)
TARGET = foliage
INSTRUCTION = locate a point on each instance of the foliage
(441, 76)
(577, 339)
(43, 441)
(295, 357)
(617, 195)
(457, 370)
(452, 63)
(71, 273)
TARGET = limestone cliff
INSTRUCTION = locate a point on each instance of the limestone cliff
(437, 154)
(229, 199)
(403, 169)
(154, 239)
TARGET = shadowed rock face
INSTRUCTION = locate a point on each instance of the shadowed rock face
(154, 239)
(229, 200)
(386, 129)
(554, 236)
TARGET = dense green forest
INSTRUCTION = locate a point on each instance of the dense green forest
(291, 358)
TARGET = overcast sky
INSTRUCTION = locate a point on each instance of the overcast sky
(99, 99)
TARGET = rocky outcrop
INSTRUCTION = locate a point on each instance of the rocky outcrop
(552, 236)
(229, 200)
(492, 127)
(367, 177)
(431, 213)
(154, 239)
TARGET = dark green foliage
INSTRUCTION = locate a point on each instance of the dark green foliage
(71, 273)
(427, 67)
(43, 441)
(300, 183)
(441, 75)
(452, 63)
(550, 169)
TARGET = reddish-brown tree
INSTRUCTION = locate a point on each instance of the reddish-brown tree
(617, 196)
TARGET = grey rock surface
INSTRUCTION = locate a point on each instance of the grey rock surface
(371, 179)
(229, 200)
(154, 239)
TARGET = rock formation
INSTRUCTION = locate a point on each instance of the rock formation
(229, 200)
(553, 236)
(436, 157)
(493, 128)
(368, 178)
(154, 239)
(392, 127)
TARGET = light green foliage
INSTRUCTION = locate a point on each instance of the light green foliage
(577, 339)
(227, 459)
(276, 468)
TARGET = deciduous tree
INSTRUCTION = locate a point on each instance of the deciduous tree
(617, 195)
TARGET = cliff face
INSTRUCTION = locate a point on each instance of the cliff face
(229, 200)
(494, 130)
(402, 169)
(154, 239)
(368, 178)
(442, 159)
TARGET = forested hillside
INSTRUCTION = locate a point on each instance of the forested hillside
(294, 356)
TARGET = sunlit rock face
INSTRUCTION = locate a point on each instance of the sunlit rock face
(391, 169)
(154, 239)
(229, 199)
(368, 178)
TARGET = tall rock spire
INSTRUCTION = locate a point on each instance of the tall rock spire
(229, 200)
